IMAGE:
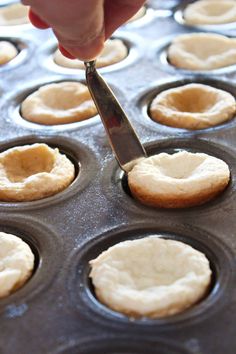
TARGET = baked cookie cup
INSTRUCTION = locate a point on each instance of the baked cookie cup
(59, 103)
(7, 52)
(150, 277)
(181, 180)
(202, 51)
(214, 12)
(16, 263)
(193, 106)
(33, 172)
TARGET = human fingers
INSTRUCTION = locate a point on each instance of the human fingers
(118, 12)
(77, 24)
(37, 21)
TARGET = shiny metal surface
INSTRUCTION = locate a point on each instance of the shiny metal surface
(123, 139)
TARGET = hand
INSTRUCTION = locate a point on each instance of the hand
(81, 26)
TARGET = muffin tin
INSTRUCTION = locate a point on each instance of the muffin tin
(57, 312)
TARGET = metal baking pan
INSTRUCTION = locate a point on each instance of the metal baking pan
(57, 312)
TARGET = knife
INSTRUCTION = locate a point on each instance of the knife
(123, 139)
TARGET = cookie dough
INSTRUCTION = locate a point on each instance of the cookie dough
(113, 52)
(15, 14)
(16, 263)
(150, 277)
(183, 179)
(7, 52)
(202, 51)
(205, 12)
(33, 172)
(193, 106)
(59, 103)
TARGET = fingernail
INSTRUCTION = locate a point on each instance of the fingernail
(36, 20)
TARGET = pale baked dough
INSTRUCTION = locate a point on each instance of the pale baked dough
(202, 51)
(15, 14)
(139, 14)
(32, 172)
(16, 263)
(113, 52)
(150, 277)
(180, 180)
(7, 52)
(210, 12)
(193, 106)
(59, 103)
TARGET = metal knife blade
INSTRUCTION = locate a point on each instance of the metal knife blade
(122, 137)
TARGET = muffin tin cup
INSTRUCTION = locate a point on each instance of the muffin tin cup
(123, 345)
(132, 42)
(119, 191)
(47, 248)
(12, 108)
(221, 262)
(83, 159)
(145, 98)
(25, 49)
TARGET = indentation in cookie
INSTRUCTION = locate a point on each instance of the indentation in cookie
(193, 106)
(180, 180)
(19, 164)
(33, 172)
(59, 103)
